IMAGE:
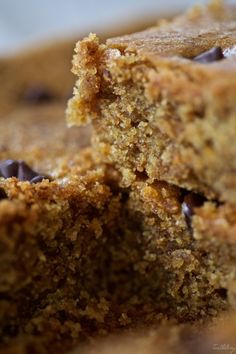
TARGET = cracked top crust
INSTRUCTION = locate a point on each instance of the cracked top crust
(186, 36)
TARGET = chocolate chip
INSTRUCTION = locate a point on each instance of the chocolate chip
(191, 201)
(25, 173)
(3, 194)
(19, 169)
(8, 168)
(210, 56)
(38, 95)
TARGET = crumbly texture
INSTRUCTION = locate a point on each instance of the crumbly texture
(195, 262)
(68, 245)
(155, 110)
(51, 234)
(81, 259)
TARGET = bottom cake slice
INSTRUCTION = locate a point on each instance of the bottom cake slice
(52, 240)
(81, 258)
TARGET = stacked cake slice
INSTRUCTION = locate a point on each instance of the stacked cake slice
(162, 106)
(162, 101)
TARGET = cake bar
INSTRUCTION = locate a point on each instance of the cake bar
(162, 101)
(82, 259)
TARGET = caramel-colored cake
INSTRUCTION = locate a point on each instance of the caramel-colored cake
(81, 258)
(128, 238)
(53, 241)
(162, 101)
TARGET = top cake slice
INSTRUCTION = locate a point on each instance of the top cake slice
(162, 101)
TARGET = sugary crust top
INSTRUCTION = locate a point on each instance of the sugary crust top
(169, 45)
(185, 36)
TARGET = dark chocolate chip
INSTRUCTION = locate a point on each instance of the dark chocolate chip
(25, 173)
(8, 168)
(38, 179)
(38, 95)
(3, 194)
(19, 169)
(191, 201)
(210, 56)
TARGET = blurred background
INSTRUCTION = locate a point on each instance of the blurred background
(26, 22)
